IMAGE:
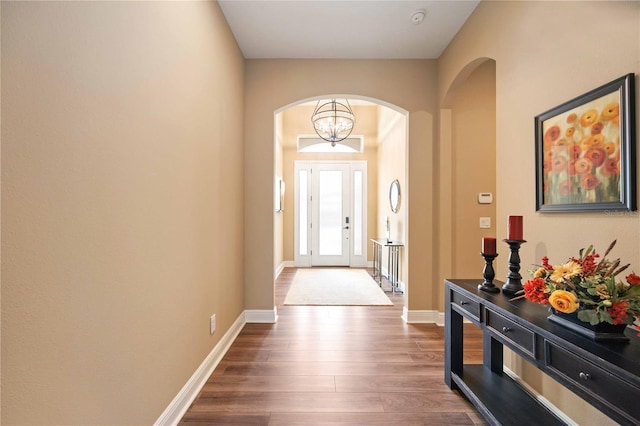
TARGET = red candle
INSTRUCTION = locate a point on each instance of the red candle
(488, 245)
(514, 228)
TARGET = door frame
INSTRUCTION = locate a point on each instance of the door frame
(357, 254)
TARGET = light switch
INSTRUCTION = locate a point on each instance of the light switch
(485, 222)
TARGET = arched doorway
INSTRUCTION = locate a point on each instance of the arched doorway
(383, 129)
(468, 167)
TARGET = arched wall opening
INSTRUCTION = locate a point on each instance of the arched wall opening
(384, 130)
(270, 86)
(467, 153)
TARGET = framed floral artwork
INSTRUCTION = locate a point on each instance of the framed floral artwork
(585, 152)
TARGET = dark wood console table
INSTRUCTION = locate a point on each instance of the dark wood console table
(607, 375)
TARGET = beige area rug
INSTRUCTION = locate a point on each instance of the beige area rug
(339, 286)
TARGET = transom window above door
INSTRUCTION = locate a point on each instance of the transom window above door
(316, 144)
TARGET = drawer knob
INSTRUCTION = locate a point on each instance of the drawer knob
(584, 376)
(506, 329)
(464, 303)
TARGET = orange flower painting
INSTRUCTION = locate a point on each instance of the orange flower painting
(588, 130)
(582, 149)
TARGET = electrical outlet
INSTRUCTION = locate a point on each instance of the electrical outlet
(212, 324)
(485, 222)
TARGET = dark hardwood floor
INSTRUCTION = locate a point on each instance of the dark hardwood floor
(335, 365)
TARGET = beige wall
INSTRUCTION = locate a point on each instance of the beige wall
(392, 164)
(473, 167)
(542, 60)
(122, 175)
(274, 84)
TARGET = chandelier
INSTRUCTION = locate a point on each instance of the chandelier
(333, 121)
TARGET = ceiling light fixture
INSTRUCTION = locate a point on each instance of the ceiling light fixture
(333, 121)
(418, 16)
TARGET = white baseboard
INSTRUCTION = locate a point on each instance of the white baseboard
(544, 401)
(422, 317)
(278, 271)
(261, 316)
(180, 404)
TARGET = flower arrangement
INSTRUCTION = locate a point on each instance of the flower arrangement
(587, 284)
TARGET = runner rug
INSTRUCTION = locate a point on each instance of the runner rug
(335, 286)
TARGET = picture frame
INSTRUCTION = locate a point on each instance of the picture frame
(279, 195)
(586, 151)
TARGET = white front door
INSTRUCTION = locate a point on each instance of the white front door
(330, 213)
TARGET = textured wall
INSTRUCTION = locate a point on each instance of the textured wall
(121, 182)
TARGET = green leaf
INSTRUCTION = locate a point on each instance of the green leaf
(606, 317)
(633, 291)
(588, 315)
(584, 284)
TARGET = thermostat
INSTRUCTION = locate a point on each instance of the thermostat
(485, 198)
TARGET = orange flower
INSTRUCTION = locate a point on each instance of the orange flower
(574, 151)
(565, 188)
(552, 133)
(559, 164)
(589, 181)
(597, 140)
(571, 118)
(586, 143)
(570, 131)
(596, 155)
(560, 143)
(609, 148)
(583, 165)
(558, 146)
(571, 167)
(546, 166)
(611, 167)
(588, 118)
(597, 128)
(611, 111)
(564, 301)
(591, 142)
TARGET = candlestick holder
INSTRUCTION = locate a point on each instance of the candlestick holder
(514, 279)
(489, 274)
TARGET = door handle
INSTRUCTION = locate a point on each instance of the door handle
(346, 227)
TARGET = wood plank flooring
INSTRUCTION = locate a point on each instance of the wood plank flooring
(335, 365)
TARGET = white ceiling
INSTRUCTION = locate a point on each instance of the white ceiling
(344, 29)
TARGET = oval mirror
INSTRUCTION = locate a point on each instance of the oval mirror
(394, 196)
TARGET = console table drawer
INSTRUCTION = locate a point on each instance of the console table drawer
(520, 336)
(466, 305)
(594, 379)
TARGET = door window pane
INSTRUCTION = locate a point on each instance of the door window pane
(303, 222)
(330, 212)
(356, 222)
